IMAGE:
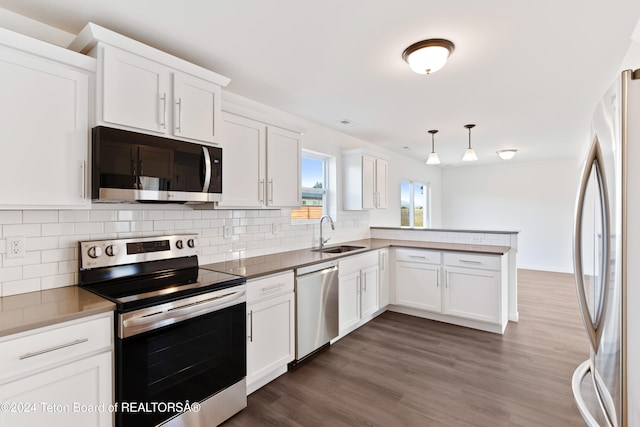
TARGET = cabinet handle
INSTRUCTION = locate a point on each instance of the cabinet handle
(58, 347)
(83, 181)
(365, 283)
(446, 279)
(179, 125)
(163, 122)
(272, 287)
(468, 261)
(438, 280)
(419, 257)
(261, 190)
(270, 192)
(251, 326)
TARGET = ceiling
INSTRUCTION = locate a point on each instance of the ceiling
(528, 74)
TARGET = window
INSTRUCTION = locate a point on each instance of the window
(314, 187)
(415, 206)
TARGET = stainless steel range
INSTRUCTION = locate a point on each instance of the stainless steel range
(180, 330)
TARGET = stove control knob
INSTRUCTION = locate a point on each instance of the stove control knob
(191, 243)
(94, 252)
(112, 250)
(179, 244)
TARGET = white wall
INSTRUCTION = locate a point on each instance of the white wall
(536, 198)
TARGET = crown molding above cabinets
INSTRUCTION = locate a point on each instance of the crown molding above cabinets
(143, 89)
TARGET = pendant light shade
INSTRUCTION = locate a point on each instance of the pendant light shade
(428, 56)
(469, 154)
(433, 157)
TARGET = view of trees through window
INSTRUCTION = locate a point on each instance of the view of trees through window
(414, 204)
(313, 185)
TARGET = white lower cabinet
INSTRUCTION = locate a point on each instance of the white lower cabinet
(59, 376)
(383, 262)
(461, 288)
(358, 290)
(270, 328)
(472, 293)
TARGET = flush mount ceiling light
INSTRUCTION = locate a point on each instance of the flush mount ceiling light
(428, 56)
(433, 157)
(469, 154)
(507, 154)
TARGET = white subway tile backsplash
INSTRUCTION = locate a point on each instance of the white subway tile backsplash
(20, 286)
(58, 281)
(40, 217)
(40, 270)
(52, 237)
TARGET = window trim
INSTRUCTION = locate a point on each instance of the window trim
(326, 208)
(426, 213)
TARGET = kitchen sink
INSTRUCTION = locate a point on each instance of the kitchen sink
(339, 249)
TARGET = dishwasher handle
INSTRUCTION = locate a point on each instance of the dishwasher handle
(323, 271)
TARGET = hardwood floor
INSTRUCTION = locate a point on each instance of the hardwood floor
(400, 370)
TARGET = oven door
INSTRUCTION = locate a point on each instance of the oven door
(188, 358)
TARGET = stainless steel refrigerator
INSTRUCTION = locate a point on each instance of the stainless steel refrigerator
(605, 249)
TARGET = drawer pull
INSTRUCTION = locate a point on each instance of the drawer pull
(469, 261)
(58, 347)
(272, 287)
(418, 256)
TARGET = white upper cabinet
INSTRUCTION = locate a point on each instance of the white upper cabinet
(365, 181)
(283, 167)
(45, 124)
(196, 108)
(142, 89)
(261, 164)
(134, 91)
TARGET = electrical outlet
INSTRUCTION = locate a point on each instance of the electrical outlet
(227, 231)
(15, 247)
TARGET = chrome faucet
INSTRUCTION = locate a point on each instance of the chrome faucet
(323, 241)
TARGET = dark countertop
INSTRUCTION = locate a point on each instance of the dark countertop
(274, 263)
(23, 312)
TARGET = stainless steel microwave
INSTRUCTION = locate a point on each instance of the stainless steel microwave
(131, 166)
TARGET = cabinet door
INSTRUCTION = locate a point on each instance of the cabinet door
(196, 108)
(349, 302)
(243, 171)
(59, 395)
(368, 182)
(418, 286)
(369, 291)
(472, 293)
(135, 91)
(270, 345)
(384, 278)
(381, 183)
(283, 168)
(44, 132)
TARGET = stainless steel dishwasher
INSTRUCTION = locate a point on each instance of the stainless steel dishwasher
(316, 307)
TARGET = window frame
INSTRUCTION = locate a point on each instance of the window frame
(426, 210)
(326, 159)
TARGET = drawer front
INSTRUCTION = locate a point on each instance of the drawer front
(482, 261)
(54, 346)
(270, 286)
(423, 256)
(353, 263)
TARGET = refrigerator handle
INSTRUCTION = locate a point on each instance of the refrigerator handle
(595, 161)
(576, 380)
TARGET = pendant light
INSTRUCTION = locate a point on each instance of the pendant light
(433, 157)
(428, 56)
(469, 154)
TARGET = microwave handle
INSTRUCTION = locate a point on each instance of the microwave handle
(207, 172)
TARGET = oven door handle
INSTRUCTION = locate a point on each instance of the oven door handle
(156, 320)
